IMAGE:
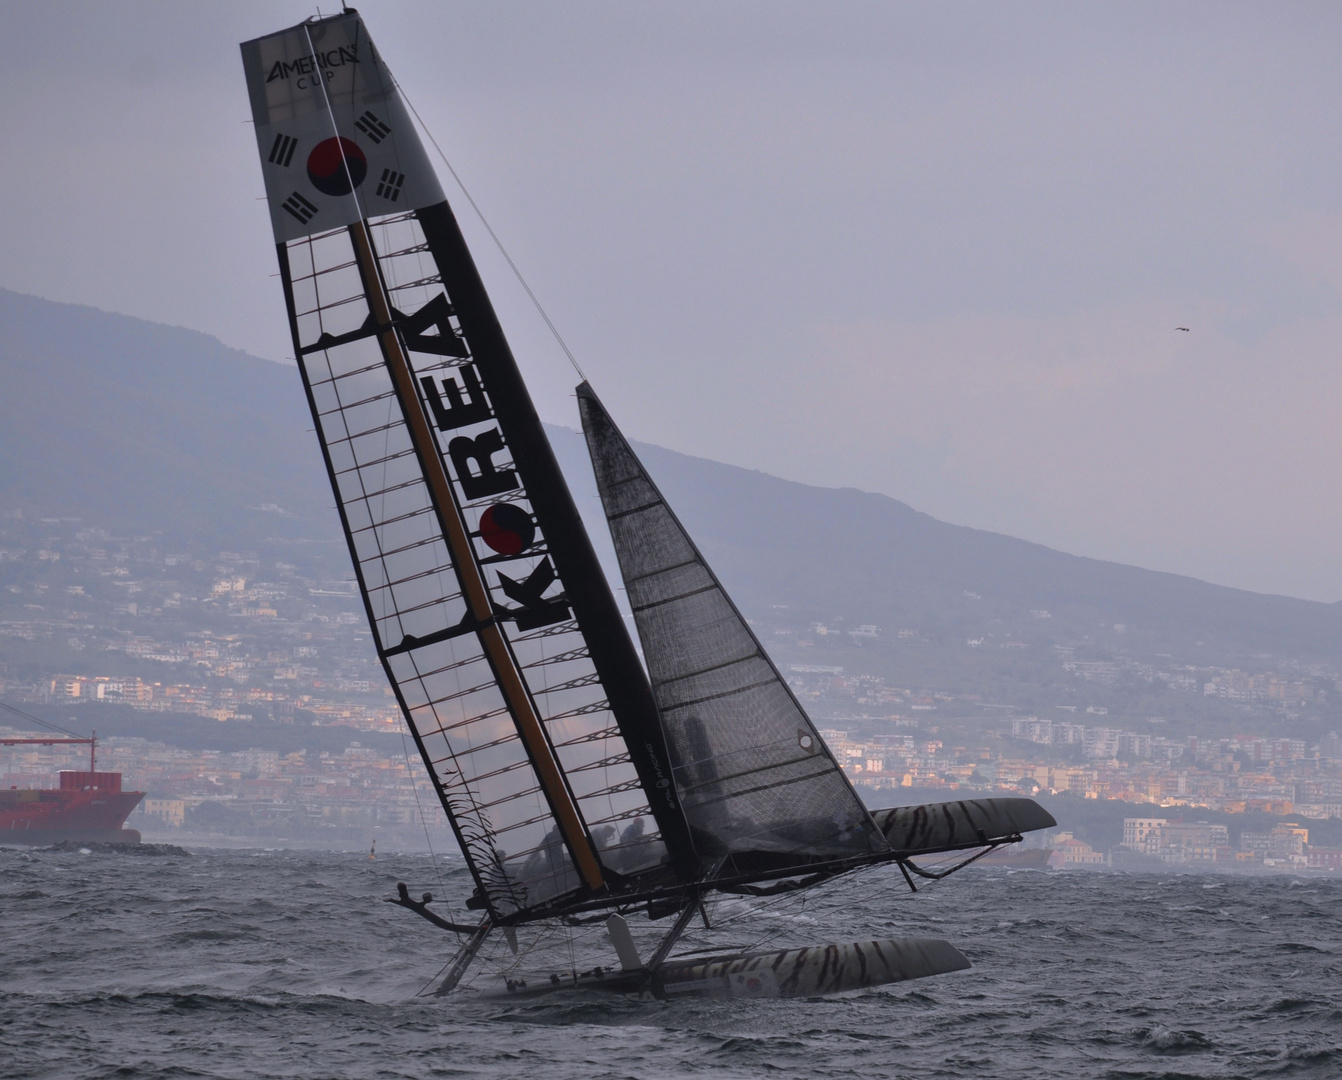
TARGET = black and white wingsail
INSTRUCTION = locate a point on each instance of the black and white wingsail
(489, 609)
(573, 782)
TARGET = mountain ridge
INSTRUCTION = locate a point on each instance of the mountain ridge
(139, 426)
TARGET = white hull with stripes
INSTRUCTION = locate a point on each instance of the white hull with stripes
(811, 971)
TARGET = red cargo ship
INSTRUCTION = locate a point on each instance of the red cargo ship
(87, 807)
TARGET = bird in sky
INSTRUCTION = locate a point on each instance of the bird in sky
(1183, 328)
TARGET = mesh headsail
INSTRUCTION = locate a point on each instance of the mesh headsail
(757, 782)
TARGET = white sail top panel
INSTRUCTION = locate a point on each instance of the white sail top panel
(337, 144)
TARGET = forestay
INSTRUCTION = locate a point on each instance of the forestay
(759, 786)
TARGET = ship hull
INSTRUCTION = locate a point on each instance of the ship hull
(811, 972)
(77, 811)
(50, 837)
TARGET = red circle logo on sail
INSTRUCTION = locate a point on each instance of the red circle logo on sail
(506, 528)
(334, 163)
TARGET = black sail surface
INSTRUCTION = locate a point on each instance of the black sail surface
(508, 656)
(758, 784)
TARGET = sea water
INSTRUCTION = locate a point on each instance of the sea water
(240, 964)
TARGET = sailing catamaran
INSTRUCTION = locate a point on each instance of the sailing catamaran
(579, 783)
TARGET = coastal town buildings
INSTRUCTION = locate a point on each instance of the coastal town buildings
(257, 645)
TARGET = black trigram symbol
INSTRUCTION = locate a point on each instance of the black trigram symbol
(371, 126)
(534, 611)
(389, 187)
(283, 151)
(300, 207)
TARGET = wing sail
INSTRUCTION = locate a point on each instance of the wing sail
(499, 633)
(758, 784)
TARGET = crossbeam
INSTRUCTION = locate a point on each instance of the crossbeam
(91, 743)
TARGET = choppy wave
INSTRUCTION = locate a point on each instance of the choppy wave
(259, 964)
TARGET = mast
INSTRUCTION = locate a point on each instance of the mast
(491, 616)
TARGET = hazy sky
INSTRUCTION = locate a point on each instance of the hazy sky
(933, 250)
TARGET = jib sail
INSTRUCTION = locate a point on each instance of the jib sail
(488, 607)
(758, 784)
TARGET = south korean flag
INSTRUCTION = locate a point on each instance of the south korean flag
(336, 141)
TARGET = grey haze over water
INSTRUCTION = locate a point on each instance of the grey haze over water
(252, 964)
(934, 251)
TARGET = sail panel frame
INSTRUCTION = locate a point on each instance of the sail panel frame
(391, 522)
(394, 537)
(571, 704)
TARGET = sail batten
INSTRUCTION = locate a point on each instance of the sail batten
(698, 672)
(636, 608)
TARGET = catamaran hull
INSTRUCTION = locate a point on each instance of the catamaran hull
(808, 972)
(813, 971)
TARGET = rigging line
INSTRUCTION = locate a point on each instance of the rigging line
(424, 822)
(512, 963)
(35, 720)
(420, 991)
(764, 935)
(753, 907)
(490, 229)
(757, 907)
